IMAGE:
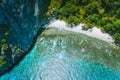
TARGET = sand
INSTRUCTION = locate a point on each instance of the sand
(93, 32)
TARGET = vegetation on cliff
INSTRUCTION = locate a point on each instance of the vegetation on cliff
(20, 21)
(104, 14)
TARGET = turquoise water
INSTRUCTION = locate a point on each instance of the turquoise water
(56, 58)
(58, 67)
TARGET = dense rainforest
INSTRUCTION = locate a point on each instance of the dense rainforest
(104, 14)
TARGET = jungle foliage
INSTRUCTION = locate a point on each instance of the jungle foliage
(104, 14)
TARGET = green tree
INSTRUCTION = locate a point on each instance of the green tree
(118, 13)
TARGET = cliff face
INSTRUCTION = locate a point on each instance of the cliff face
(20, 21)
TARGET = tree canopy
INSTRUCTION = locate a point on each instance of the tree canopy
(104, 14)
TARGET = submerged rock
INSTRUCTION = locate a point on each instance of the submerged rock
(68, 55)
(82, 46)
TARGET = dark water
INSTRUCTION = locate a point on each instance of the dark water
(50, 60)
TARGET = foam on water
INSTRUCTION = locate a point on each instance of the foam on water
(50, 60)
(93, 32)
(50, 67)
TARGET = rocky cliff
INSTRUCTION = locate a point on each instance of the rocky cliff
(20, 22)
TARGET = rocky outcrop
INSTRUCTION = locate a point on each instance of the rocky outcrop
(20, 21)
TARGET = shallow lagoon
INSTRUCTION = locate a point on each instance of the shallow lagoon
(67, 56)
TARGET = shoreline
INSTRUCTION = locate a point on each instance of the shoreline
(93, 32)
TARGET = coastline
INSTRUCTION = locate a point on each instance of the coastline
(93, 32)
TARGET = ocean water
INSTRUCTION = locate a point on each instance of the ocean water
(50, 60)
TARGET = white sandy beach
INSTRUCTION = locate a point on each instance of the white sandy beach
(93, 32)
